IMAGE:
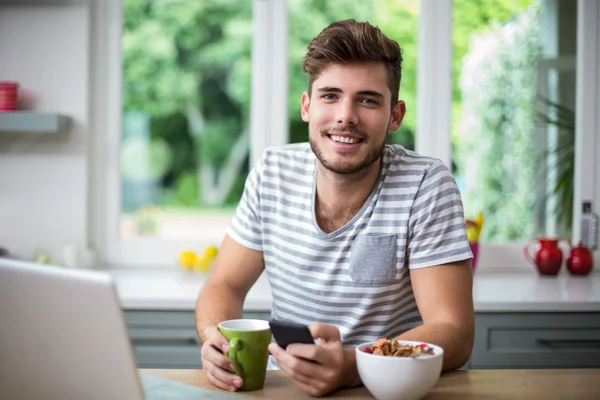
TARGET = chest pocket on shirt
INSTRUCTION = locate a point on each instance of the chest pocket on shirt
(373, 259)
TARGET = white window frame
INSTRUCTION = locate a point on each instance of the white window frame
(269, 114)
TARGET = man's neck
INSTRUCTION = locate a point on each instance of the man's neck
(339, 197)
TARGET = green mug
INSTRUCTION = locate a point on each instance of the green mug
(248, 349)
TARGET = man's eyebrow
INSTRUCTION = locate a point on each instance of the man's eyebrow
(332, 89)
(370, 93)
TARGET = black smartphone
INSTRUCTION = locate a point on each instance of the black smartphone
(286, 333)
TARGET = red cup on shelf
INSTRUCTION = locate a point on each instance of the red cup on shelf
(9, 95)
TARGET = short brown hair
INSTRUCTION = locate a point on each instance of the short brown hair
(348, 41)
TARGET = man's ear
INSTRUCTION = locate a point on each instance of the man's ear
(398, 113)
(305, 101)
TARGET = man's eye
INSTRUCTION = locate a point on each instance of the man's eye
(329, 96)
(368, 101)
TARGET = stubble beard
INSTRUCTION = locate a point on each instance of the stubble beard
(351, 171)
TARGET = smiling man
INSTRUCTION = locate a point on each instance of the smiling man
(359, 239)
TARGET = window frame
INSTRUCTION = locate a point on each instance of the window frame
(270, 114)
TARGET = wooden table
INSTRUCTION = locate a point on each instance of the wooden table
(576, 384)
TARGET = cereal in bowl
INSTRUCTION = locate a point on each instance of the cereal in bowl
(391, 348)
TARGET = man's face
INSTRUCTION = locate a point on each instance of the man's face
(349, 116)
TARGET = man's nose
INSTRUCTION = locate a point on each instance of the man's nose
(346, 113)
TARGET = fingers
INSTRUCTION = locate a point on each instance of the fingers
(315, 388)
(290, 364)
(295, 362)
(213, 335)
(213, 348)
(222, 379)
(327, 332)
(217, 366)
(307, 375)
(316, 369)
(309, 352)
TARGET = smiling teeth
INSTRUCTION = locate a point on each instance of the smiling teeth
(343, 139)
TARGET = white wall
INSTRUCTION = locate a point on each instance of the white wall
(43, 177)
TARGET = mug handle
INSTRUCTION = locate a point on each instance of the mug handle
(235, 345)
(526, 252)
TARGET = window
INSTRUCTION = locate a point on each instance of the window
(555, 80)
(503, 94)
(196, 97)
(194, 92)
(186, 108)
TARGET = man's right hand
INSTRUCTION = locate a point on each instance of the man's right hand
(217, 366)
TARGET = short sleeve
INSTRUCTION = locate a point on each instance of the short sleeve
(246, 225)
(437, 231)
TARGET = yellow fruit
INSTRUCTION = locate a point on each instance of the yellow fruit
(187, 259)
(210, 252)
(479, 220)
(203, 264)
(472, 235)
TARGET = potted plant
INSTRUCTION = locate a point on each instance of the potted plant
(563, 151)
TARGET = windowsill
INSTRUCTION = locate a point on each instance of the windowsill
(492, 258)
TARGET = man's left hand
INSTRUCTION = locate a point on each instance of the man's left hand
(317, 369)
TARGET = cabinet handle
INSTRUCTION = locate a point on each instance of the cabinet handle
(567, 341)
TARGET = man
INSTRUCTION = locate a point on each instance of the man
(359, 239)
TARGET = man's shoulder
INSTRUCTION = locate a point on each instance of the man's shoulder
(399, 157)
(297, 154)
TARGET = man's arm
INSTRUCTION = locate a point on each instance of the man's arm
(222, 297)
(444, 296)
(235, 271)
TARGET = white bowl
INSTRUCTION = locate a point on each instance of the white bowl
(399, 378)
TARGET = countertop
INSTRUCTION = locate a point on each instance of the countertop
(493, 292)
(580, 384)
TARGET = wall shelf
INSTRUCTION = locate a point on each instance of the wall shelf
(33, 122)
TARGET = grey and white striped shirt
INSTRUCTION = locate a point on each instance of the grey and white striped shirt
(356, 278)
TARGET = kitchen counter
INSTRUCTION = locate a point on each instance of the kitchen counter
(492, 292)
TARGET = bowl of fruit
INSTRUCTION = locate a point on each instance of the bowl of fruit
(399, 369)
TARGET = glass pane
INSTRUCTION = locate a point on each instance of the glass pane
(186, 101)
(513, 73)
(397, 19)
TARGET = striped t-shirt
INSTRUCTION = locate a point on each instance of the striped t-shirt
(357, 277)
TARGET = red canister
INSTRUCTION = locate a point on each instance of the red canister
(9, 95)
(580, 261)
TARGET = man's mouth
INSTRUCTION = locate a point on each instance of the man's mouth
(345, 139)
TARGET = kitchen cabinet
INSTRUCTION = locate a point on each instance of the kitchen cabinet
(536, 340)
(167, 339)
(515, 340)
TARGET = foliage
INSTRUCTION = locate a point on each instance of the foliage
(563, 152)
(185, 192)
(187, 64)
(495, 147)
(142, 159)
(174, 65)
(216, 140)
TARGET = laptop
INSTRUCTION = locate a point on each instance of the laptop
(63, 336)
